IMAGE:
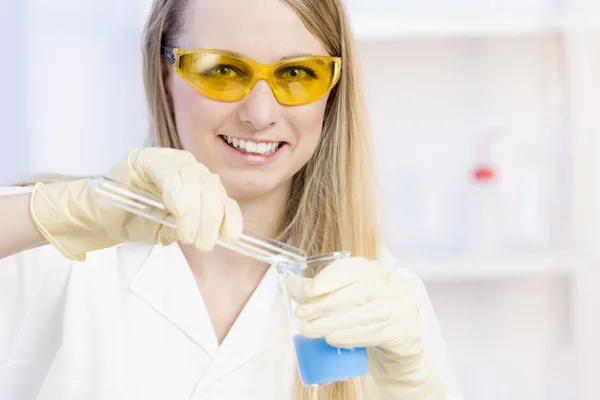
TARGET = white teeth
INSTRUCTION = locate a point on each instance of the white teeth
(252, 147)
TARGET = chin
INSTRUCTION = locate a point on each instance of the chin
(240, 188)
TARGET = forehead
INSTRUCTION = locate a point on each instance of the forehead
(266, 30)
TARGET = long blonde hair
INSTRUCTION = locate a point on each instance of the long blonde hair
(333, 203)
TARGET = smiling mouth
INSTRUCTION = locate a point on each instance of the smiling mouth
(250, 147)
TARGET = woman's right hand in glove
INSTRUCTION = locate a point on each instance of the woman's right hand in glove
(75, 222)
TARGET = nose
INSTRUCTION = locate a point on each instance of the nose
(260, 108)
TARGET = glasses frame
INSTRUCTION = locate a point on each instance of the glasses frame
(261, 71)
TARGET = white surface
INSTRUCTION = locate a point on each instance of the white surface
(395, 28)
(583, 59)
(509, 338)
(453, 7)
(470, 267)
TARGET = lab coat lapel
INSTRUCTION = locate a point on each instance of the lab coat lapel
(167, 284)
(261, 324)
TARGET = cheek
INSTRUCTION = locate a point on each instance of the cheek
(307, 122)
(196, 118)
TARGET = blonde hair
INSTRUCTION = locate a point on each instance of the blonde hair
(333, 202)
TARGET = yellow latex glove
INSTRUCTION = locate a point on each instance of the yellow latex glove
(355, 302)
(75, 222)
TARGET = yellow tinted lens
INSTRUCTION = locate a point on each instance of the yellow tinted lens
(303, 81)
(217, 76)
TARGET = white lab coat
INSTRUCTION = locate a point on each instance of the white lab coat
(129, 323)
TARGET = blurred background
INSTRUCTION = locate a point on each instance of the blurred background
(485, 117)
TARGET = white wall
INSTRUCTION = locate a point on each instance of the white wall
(75, 105)
(13, 96)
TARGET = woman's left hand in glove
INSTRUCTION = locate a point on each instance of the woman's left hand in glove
(354, 302)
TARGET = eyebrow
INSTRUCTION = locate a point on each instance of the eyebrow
(294, 55)
(289, 56)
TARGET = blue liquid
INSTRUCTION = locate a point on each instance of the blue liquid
(320, 363)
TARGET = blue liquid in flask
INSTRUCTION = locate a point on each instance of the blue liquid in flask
(320, 363)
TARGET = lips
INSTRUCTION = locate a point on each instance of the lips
(252, 147)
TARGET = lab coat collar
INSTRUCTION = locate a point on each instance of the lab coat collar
(261, 324)
(167, 284)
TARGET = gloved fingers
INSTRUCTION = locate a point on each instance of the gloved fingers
(371, 314)
(173, 194)
(233, 222)
(338, 274)
(360, 336)
(188, 223)
(191, 193)
(211, 213)
(354, 295)
(150, 164)
(295, 285)
(160, 170)
(168, 235)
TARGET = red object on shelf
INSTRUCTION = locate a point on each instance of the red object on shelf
(484, 173)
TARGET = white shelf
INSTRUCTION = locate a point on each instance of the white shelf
(397, 28)
(490, 266)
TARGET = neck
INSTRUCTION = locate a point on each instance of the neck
(262, 215)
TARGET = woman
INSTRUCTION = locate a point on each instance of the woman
(282, 150)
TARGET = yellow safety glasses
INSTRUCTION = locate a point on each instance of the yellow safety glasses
(226, 77)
